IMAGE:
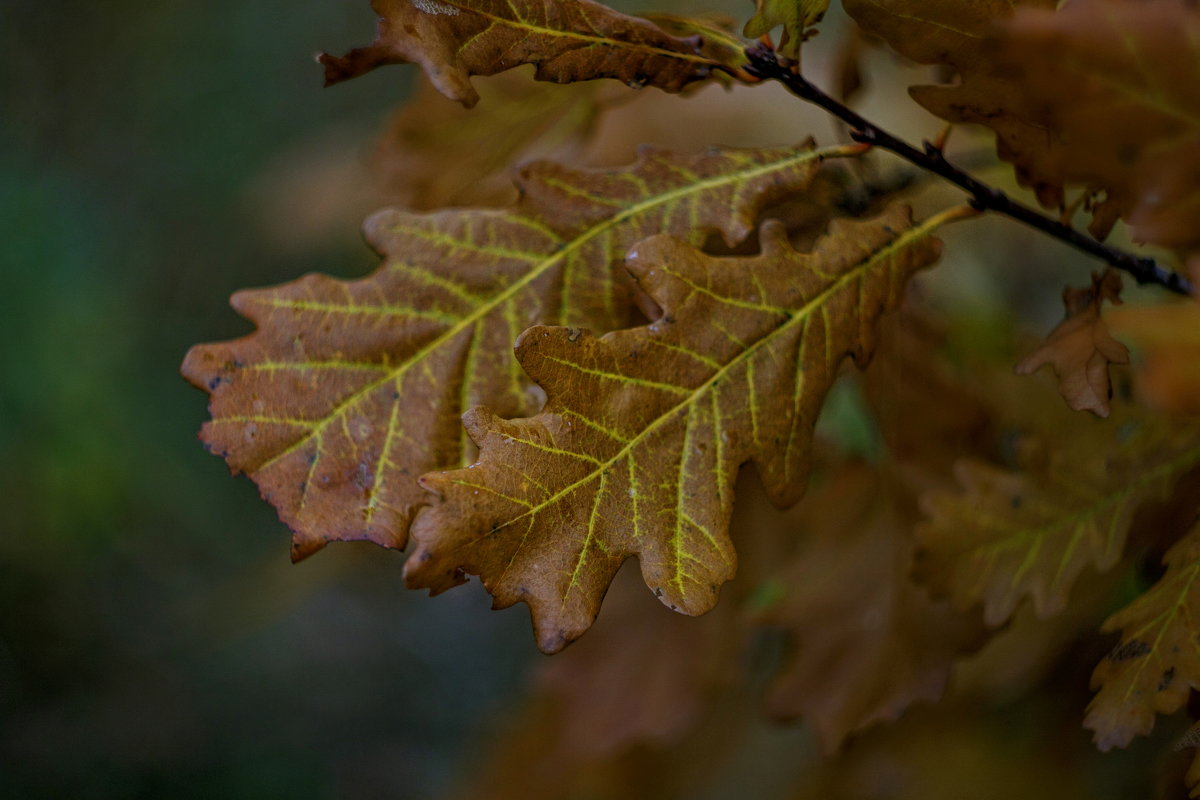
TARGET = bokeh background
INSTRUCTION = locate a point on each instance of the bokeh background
(155, 641)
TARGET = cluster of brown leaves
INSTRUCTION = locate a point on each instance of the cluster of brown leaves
(1118, 118)
(391, 407)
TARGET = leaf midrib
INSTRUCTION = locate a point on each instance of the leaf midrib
(594, 39)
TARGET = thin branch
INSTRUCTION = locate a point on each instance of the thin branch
(983, 196)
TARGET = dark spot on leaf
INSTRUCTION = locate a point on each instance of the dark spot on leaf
(1134, 648)
(1167, 677)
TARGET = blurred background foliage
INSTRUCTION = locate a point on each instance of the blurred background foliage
(154, 640)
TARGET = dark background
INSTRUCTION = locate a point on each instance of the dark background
(154, 639)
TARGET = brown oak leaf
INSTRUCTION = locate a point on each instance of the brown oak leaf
(434, 153)
(643, 430)
(644, 675)
(1118, 117)
(1167, 341)
(952, 33)
(868, 642)
(715, 34)
(1080, 348)
(1156, 665)
(567, 40)
(1123, 109)
(349, 390)
(1009, 533)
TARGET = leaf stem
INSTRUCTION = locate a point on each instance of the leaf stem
(984, 197)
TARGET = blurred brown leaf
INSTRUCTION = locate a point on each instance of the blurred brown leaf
(644, 675)
(1008, 533)
(950, 33)
(930, 412)
(867, 641)
(434, 153)
(950, 752)
(1080, 348)
(1167, 367)
(1121, 107)
(1100, 93)
(1157, 663)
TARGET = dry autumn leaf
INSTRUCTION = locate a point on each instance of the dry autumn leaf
(796, 17)
(1080, 348)
(1118, 118)
(567, 40)
(644, 675)
(1124, 107)
(1007, 534)
(954, 751)
(434, 153)
(1157, 663)
(952, 33)
(643, 431)
(929, 412)
(1167, 338)
(714, 32)
(349, 390)
(868, 642)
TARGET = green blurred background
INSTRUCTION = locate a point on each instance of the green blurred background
(154, 639)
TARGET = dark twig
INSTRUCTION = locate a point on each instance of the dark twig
(983, 196)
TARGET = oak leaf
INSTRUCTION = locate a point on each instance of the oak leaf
(929, 410)
(1100, 93)
(797, 17)
(1080, 348)
(643, 675)
(434, 153)
(715, 34)
(1009, 533)
(1167, 341)
(349, 390)
(1156, 665)
(868, 641)
(567, 40)
(1122, 107)
(952, 33)
(643, 430)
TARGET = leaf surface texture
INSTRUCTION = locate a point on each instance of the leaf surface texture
(567, 40)
(643, 431)
(1010, 533)
(349, 390)
(1157, 663)
(1081, 348)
